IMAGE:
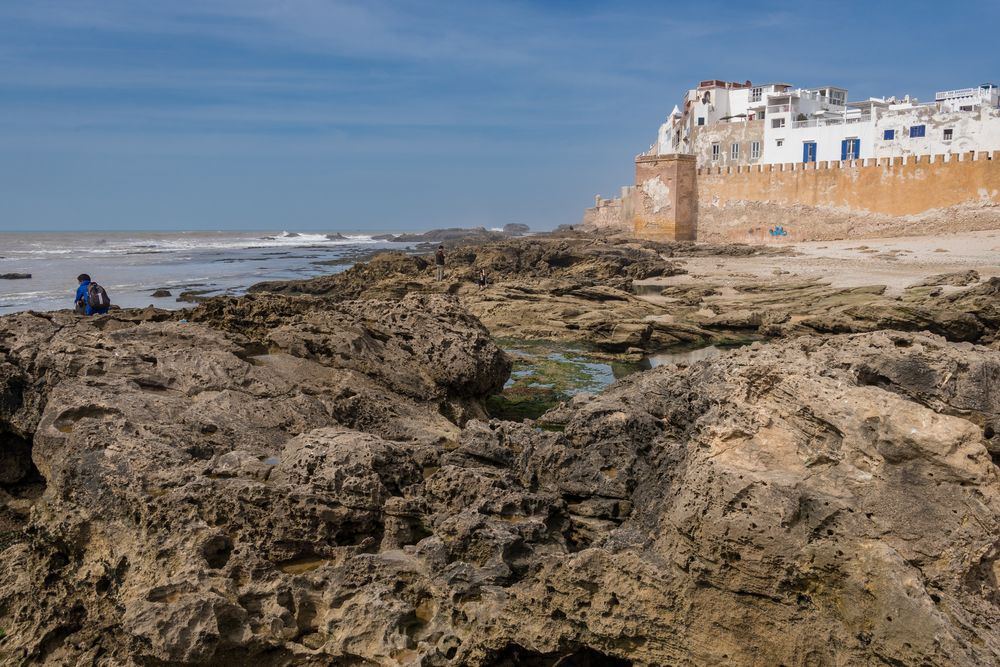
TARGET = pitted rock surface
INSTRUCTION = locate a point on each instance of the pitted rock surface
(622, 295)
(823, 501)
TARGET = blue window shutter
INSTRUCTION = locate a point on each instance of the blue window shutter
(843, 149)
(889, 134)
(857, 149)
(805, 152)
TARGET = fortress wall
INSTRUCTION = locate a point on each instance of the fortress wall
(607, 215)
(861, 198)
(663, 204)
(674, 200)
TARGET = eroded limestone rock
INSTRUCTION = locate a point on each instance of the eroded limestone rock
(823, 501)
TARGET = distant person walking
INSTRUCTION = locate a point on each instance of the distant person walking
(91, 299)
(439, 262)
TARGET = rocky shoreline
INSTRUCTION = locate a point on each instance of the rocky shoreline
(308, 475)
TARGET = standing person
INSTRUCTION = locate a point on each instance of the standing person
(482, 279)
(439, 261)
(91, 299)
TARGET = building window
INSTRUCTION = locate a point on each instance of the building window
(948, 134)
(701, 120)
(850, 149)
(756, 94)
(809, 151)
(734, 152)
(715, 152)
(965, 108)
(889, 135)
(755, 150)
(777, 122)
(780, 142)
(917, 131)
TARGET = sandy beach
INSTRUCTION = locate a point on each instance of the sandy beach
(894, 262)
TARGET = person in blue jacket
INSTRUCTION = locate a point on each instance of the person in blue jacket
(82, 306)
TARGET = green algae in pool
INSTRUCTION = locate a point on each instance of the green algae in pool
(546, 374)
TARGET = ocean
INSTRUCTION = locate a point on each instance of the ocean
(132, 265)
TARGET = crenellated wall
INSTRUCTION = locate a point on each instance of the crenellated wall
(826, 200)
(673, 199)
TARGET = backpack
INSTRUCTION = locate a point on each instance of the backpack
(97, 298)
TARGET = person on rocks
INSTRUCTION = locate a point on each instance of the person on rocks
(439, 262)
(91, 298)
(482, 279)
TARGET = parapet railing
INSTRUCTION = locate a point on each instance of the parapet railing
(883, 162)
(823, 122)
(961, 92)
(822, 99)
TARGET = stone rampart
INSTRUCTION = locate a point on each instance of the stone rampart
(859, 198)
(663, 204)
(673, 199)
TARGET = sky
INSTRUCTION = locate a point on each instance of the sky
(379, 116)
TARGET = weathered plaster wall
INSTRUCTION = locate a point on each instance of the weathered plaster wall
(972, 130)
(851, 199)
(726, 134)
(664, 200)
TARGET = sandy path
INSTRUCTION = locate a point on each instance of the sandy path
(894, 262)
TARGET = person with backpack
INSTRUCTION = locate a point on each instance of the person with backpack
(91, 298)
(439, 262)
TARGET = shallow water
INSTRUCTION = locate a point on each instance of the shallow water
(546, 374)
(131, 265)
(684, 357)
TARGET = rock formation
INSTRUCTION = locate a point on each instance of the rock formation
(557, 289)
(306, 476)
(597, 291)
(253, 488)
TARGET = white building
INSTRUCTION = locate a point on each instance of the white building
(728, 123)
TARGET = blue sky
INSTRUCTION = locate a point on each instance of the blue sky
(323, 115)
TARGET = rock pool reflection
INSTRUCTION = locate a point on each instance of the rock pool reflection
(547, 373)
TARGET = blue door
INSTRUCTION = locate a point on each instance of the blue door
(809, 151)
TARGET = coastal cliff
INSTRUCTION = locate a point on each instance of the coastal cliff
(307, 475)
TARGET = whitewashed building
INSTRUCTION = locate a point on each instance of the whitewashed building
(729, 123)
